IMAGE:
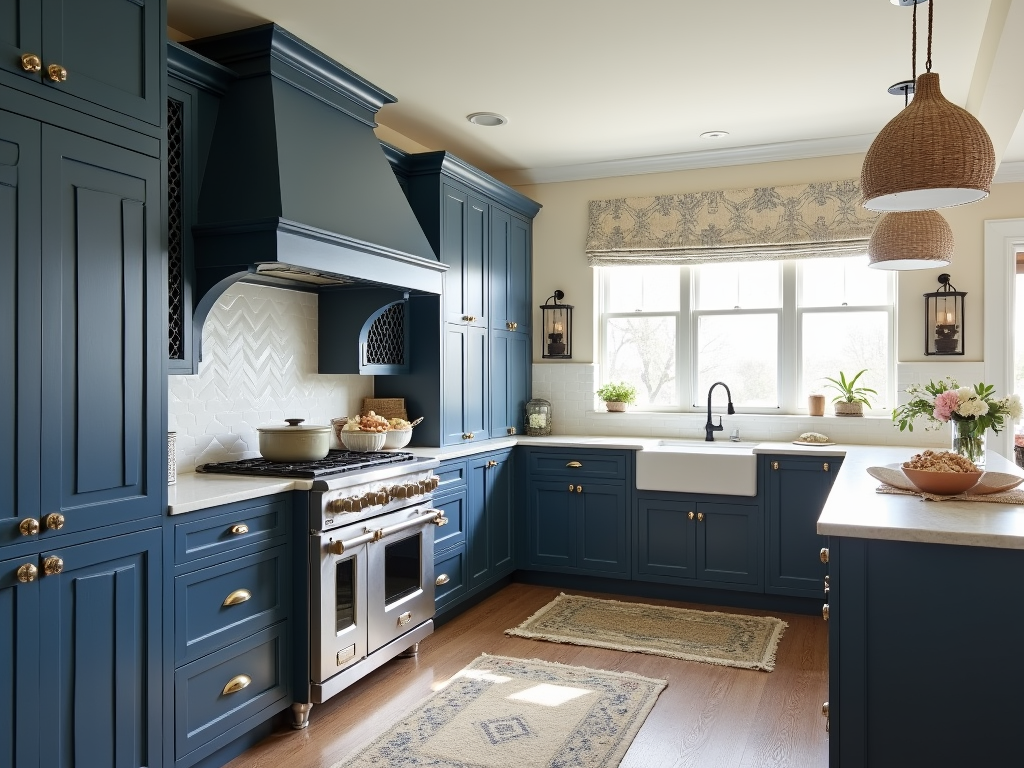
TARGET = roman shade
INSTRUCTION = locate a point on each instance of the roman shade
(758, 224)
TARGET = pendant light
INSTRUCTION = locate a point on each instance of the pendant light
(910, 240)
(933, 154)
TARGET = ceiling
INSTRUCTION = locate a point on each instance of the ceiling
(591, 86)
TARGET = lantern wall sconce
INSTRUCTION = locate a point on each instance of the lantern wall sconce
(556, 320)
(944, 319)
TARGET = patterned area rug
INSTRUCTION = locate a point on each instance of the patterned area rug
(513, 713)
(734, 640)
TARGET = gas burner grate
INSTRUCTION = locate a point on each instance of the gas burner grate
(335, 463)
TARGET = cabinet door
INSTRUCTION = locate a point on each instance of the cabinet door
(19, 666)
(101, 636)
(454, 215)
(796, 494)
(501, 233)
(552, 524)
(477, 416)
(477, 533)
(499, 513)
(455, 392)
(20, 337)
(20, 33)
(103, 333)
(519, 283)
(112, 51)
(477, 272)
(665, 538)
(509, 376)
(602, 528)
(728, 543)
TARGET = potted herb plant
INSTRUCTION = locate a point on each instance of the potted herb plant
(851, 399)
(617, 395)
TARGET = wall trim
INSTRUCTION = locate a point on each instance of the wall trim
(1009, 173)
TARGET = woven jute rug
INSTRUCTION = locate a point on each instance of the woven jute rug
(512, 713)
(730, 639)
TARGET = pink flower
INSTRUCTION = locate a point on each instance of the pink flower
(945, 404)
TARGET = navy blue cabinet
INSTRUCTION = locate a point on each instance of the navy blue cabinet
(665, 536)
(509, 381)
(464, 395)
(19, 662)
(796, 490)
(103, 57)
(511, 269)
(464, 248)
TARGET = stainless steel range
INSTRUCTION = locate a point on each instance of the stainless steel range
(371, 563)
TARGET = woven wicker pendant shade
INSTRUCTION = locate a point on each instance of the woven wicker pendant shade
(910, 240)
(933, 154)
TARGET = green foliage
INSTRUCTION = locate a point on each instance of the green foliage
(617, 392)
(976, 406)
(848, 391)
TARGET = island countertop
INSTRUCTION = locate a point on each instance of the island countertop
(854, 509)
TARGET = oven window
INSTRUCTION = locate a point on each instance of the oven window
(344, 594)
(402, 568)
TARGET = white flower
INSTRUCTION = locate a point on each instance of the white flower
(1014, 408)
(965, 394)
(972, 407)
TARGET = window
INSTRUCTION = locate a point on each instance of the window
(771, 330)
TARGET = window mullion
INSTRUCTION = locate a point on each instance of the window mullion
(789, 342)
(684, 339)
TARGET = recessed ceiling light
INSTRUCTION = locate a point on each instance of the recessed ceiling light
(490, 119)
(714, 134)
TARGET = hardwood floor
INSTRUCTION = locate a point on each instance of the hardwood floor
(708, 716)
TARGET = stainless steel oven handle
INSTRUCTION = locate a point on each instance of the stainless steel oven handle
(435, 516)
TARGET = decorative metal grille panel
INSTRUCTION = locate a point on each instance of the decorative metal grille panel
(385, 341)
(175, 231)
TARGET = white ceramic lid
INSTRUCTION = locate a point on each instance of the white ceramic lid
(293, 425)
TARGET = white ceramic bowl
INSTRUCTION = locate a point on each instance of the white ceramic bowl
(398, 438)
(363, 441)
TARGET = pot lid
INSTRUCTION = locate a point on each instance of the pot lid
(294, 425)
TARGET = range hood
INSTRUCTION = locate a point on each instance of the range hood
(297, 187)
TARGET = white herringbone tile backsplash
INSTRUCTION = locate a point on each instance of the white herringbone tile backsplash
(259, 367)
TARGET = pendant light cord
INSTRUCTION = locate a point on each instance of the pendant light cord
(913, 48)
(928, 63)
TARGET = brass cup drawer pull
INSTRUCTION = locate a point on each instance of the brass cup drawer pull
(236, 597)
(54, 521)
(27, 573)
(29, 526)
(57, 73)
(30, 62)
(574, 464)
(239, 529)
(53, 566)
(442, 580)
(405, 618)
(236, 684)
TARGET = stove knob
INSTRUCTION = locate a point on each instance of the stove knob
(346, 505)
(372, 499)
(362, 502)
(335, 506)
(424, 486)
(434, 482)
(412, 488)
(382, 497)
(399, 492)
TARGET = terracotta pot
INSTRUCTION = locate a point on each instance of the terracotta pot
(614, 405)
(816, 405)
(849, 409)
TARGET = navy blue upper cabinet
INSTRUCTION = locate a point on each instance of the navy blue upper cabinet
(510, 272)
(103, 333)
(20, 337)
(464, 249)
(797, 488)
(103, 57)
(509, 381)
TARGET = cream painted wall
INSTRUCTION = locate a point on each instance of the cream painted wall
(560, 232)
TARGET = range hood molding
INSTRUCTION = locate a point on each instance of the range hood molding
(297, 185)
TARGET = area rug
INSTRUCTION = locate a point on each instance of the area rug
(730, 639)
(512, 713)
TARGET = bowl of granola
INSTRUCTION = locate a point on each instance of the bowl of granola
(941, 472)
(362, 433)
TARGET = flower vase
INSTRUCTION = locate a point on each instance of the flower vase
(969, 440)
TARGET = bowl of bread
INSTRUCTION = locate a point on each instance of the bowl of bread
(373, 432)
(941, 472)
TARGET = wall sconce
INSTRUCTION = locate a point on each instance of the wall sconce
(556, 320)
(944, 319)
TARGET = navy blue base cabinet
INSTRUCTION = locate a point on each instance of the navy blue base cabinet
(924, 644)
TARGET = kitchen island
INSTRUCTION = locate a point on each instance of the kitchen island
(924, 630)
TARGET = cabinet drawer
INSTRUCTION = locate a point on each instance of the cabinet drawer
(202, 711)
(454, 532)
(218, 605)
(236, 526)
(450, 567)
(451, 475)
(605, 464)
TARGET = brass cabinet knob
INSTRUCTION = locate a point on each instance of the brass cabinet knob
(823, 555)
(239, 529)
(511, 430)
(469, 318)
(700, 517)
(571, 487)
(29, 526)
(824, 713)
(236, 597)
(31, 63)
(27, 573)
(824, 611)
(491, 464)
(467, 435)
(57, 73)
(54, 521)
(574, 464)
(775, 465)
(440, 520)
(824, 467)
(826, 581)
(235, 684)
(52, 565)
(689, 515)
(579, 489)
(442, 579)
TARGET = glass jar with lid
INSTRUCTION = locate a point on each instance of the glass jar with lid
(538, 417)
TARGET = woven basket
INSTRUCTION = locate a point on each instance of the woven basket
(849, 409)
(388, 407)
(911, 236)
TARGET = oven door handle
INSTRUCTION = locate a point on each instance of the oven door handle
(435, 516)
(340, 547)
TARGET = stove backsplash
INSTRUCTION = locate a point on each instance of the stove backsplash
(260, 350)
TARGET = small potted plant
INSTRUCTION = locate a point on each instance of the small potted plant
(851, 399)
(617, 395)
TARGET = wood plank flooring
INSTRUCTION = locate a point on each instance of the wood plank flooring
(708, 716)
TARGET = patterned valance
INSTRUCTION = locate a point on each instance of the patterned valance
(799, 221)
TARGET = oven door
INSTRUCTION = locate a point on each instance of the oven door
(400, 594)
(338, 601)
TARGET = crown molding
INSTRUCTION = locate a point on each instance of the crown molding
(1009, 173)
(684, 161)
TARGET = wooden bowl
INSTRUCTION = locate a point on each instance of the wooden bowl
(942, 483)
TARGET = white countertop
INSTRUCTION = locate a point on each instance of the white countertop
(195, 491)
(854, 509)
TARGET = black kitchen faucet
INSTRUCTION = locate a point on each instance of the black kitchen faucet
(710, 428)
